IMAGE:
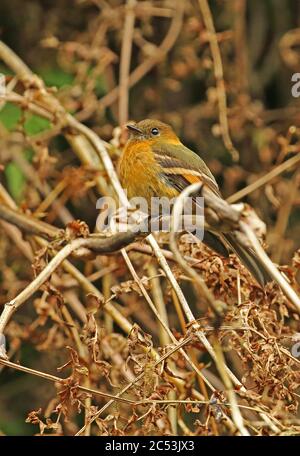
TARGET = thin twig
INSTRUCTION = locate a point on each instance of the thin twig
(125, 60)
(217, 307)
(98, 244)
(62, 381)
(218, 355)
(264, 179)
(177, 347)
(158, 56)
(218, 69)
(273, 271)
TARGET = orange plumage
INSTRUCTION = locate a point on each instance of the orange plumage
(155, 163)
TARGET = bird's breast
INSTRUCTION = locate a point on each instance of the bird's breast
(140, 174)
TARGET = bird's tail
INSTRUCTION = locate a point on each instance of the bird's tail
(249, 258)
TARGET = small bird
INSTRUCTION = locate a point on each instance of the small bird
(155, 163)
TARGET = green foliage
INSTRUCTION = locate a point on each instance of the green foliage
(15, 178)
(56, 76)
(35, 124)
(10, 115)
(100, 86)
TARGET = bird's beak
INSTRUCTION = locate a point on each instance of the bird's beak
(134, 129)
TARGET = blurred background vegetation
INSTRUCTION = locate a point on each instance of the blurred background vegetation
(75, 47)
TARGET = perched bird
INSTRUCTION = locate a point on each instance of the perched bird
(155, 163)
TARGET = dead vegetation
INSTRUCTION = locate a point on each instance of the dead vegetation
(115, 335)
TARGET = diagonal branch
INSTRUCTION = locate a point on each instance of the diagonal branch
(218, 69)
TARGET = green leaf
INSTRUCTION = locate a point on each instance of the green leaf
(35, 124)
(10, 116)
(57, 77)
(29, 154)
(15, 181)
(100, 86)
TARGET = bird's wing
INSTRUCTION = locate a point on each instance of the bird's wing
(182, 167)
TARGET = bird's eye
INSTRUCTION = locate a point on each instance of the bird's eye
(155, 131)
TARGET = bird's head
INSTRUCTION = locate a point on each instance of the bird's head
(152, 130)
